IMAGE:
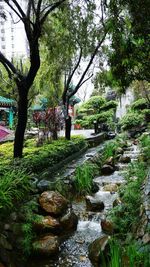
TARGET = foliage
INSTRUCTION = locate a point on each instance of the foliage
(109, 149)
(14, 184)
(125, 216)
(103, 117)
(145, 144)
(109, 105)
(28, 233)
(84, 178)
(38, 158)
(141, 89)
(129, 51)
(94, 103)
(127, 255)
(140, 104)
(103, 79)
(131, 119)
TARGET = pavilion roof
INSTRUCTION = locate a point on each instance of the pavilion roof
(6, 102)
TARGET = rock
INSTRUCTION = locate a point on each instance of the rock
(117, 202)
(47, 245)
(107, 169)
(43, 185)
(83, 258)
(125, 159)
(95, 188)
(146, 238)
(95, 248)
(107, 226)
(111, 187)
(119, 150)
(53, 202)
(93, 204)
(69, 221)
(109, 161)
(48, 223)
(111, 135)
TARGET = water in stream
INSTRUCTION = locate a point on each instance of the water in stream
(74, 250)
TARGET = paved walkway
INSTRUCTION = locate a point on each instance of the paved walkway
(86, 133)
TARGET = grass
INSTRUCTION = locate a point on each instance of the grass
(84, 178)
(120, 255)
(14, 185)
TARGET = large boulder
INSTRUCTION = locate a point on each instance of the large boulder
(53, 203)
(98, 251)
(69, 221)
(94, 204)
(107, 169)
(47, 223)
(47, 245)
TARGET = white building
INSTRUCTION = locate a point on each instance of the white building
(13, 41)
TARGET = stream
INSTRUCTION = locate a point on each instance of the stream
(74, 250)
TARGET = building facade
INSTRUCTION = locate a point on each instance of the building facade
(13, 41)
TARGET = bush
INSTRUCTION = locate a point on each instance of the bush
(105, 116)
(109, 105)
(140, 104)
(131, 120)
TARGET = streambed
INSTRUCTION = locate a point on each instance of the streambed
(74, 250)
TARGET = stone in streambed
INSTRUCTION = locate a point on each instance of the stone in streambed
(110, 187)
(93, 204)
(69, 221)
(47, 223)
(47, 245)
(125, 159)
(107, 169)
(95, 248)
(53, 203)
(107, 226)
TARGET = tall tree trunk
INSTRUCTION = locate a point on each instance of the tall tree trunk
(21, 123)
(68, 127)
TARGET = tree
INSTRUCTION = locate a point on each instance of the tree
(33, 19)
(130, 49)
(79, 34)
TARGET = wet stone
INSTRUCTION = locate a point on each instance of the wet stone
(93, 204)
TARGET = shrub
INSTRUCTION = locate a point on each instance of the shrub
(140, 104)
(131, 120)
(109, 105)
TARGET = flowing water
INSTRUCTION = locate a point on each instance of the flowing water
(74, 250)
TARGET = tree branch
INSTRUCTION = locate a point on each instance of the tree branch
(54, 6)
(88, 66)
(7, 63)
(86, 79)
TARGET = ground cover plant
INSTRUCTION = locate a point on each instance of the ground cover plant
(37, 158)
